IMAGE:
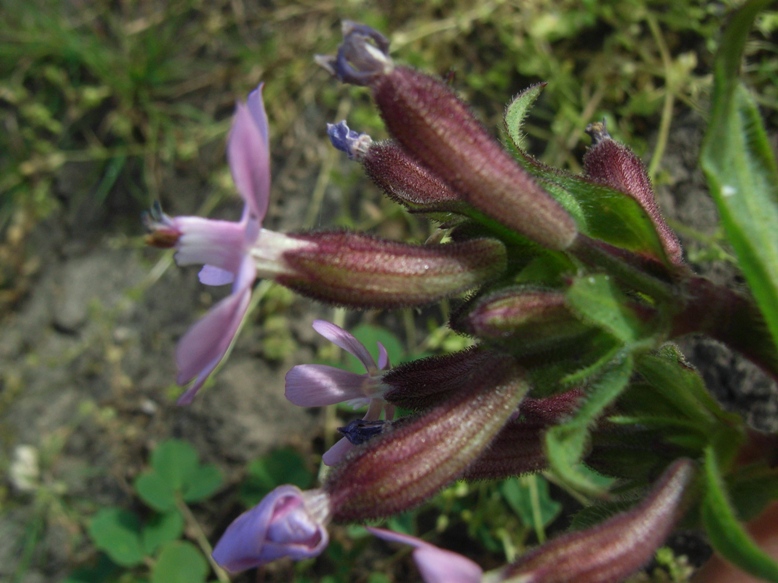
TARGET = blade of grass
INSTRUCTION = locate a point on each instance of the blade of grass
(741, 171)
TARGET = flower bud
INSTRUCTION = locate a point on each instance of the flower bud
(519, 447)
(426, 382)
(286, 523)
(615, 548)
(615, 165)
(528, 318)
(438, 129)
(400, 469)
(404, 179)
(361, 271)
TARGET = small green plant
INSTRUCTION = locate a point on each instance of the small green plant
(149, 546)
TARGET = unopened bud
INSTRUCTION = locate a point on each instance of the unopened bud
(615, 165)
(528, 318)
(519, 447)
(438, 129)
(360, 271)
(400, 469)
(614, 549)
(404, 179)
(426, 382)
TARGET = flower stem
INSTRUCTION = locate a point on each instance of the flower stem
(193, 526)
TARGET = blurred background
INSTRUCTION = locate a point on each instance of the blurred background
(108, 107)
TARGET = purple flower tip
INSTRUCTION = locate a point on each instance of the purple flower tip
(286, 523)
(346, 140)
(436, 565)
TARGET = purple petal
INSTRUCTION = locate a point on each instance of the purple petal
(205, 344)
(257, 108)
(249, 156)
(210, 242)
(212, 275)
(317, 385)
(383, 357)
(339, 337)
(282, 525)
(435, 564)
(334, 455)
(440, 566)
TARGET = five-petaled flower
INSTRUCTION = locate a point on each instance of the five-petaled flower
(318, 385)
(231, 252)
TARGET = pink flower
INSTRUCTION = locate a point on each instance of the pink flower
(231, 252)
(436, 565)
(318, 385)
(286, 523)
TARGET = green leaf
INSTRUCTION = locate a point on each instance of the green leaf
(161, 529)
(118, 533)
(679, 387)
(567, 443)
(281, 466)
(598, 301)
(179, 562)
(604, 213)
(605, 389)
(175, 461)
(529, 498)
(752, 488)
(106, 571)
(741, 171)
(202, 483)
(726, 533)
(155, 491)
(600, 212)
(517, 111)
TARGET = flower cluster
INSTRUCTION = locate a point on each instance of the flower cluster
(577, 288)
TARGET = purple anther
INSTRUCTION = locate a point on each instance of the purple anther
(352, 143)
(360, 431)
(362, 56)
